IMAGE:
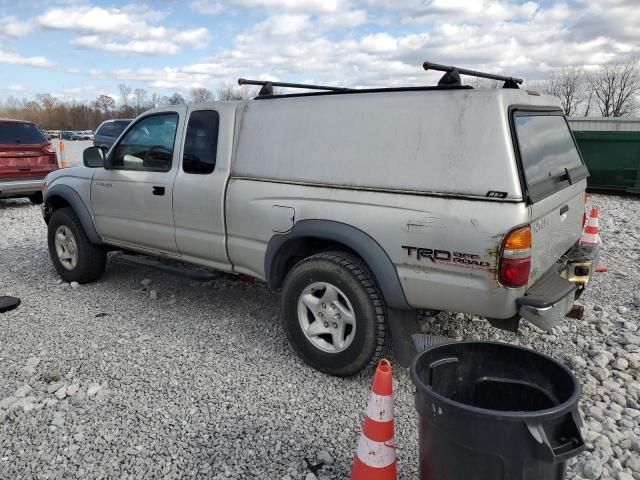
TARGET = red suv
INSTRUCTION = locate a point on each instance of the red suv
(26, 157)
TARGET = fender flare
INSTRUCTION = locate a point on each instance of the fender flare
(80, 209)
(360, 242)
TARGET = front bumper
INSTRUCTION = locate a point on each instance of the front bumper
(552, 296)
(15, 188)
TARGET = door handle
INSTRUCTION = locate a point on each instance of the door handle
(158, 190)
(564, 209)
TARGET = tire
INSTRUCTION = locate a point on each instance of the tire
(36, 198)
(358, 299)
(90, 259)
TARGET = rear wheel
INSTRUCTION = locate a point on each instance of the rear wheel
(333, 313)
(74, 257)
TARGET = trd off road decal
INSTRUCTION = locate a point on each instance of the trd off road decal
(468, 260)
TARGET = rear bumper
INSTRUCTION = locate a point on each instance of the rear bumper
(552, 296)
(25, 186)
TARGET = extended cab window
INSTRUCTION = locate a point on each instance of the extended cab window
(550, 159)
(148, 145)
(201, 143)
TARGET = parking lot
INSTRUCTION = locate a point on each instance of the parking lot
(72, 150)
(178, 378)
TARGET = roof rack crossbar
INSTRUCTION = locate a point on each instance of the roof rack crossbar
(244, 81)
(510, 82)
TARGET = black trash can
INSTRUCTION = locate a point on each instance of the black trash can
(493, 411)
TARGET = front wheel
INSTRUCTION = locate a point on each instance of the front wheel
(333, 313)
(74, 257)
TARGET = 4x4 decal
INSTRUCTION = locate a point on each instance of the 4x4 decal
(470, 260)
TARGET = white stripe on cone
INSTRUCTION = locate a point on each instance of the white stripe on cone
(380, 408)
(376, 454)
(590, 239)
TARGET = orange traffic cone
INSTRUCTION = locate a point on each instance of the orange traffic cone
(63, 160)
(590, 235)
(376, 452)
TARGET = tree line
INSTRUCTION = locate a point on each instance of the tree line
(51, 113)
(610, 91)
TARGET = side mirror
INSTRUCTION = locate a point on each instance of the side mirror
(94, 157)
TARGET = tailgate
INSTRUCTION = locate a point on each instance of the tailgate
(555, 178)
(556, 226)
(23, 161)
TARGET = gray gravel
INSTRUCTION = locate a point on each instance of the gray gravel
(143, 374)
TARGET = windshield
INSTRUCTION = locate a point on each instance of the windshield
(546, 147)
(21, 133)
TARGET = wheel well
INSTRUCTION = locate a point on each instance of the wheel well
(55, 202)
(298, 249)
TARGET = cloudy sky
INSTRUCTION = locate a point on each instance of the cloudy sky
(79, 49)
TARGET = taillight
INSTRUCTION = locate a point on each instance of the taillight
(584, 214)
(48, 148)
(515, 258)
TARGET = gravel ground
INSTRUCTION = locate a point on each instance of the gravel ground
(144, 375)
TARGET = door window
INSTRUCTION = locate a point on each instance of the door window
(148, 145)
(201, 143)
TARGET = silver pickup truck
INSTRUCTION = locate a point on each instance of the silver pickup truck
(361, 206)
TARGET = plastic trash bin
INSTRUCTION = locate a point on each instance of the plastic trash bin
(493, 411)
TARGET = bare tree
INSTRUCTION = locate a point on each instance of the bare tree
(615, 87)
(125, 91)
(105, 103)
(155, 100)
(139, 95)
(13, 103)
(227, 91)
(568, 85)
(47, 101)
(176, 99)
(201, 94)
(31, 105)
(477, 82)
(588, 102)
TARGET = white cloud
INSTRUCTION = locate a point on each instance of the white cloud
(214, 7)
(16, 88)
(504, 36)
(360, 42)
(379, 43)
(280, 25)
(12, 27)
(17, 59)
(342, 19)
(104, 29)
(147, 47)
